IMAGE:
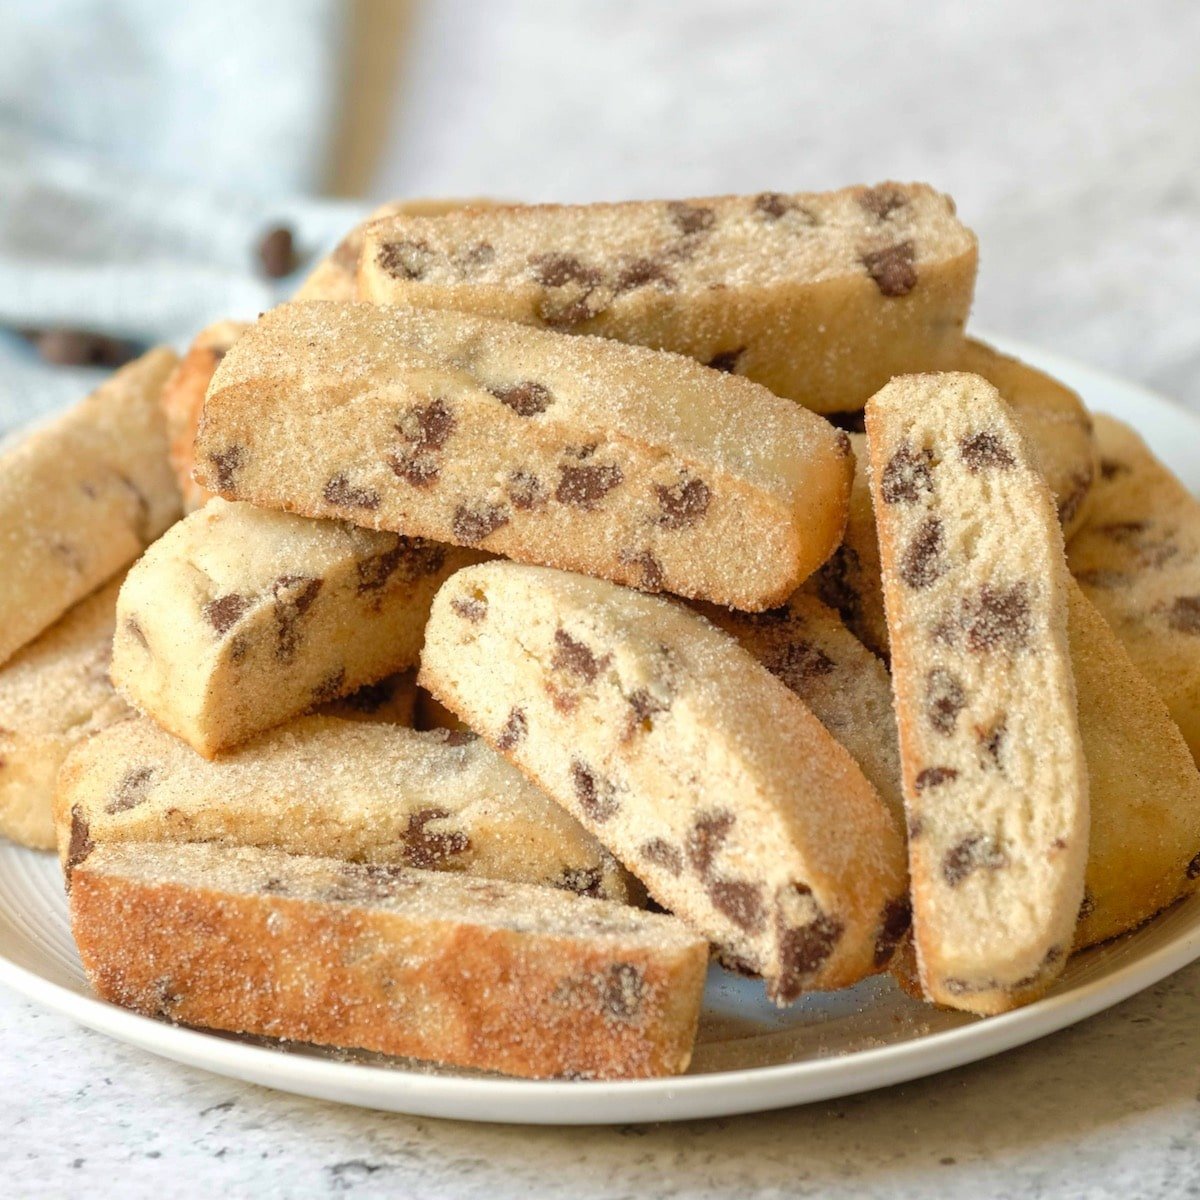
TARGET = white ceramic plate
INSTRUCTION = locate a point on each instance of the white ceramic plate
(749, 1056)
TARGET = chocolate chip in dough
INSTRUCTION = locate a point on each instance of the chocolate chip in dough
(907, 475)
(985, 451)
(893, 269)
(683, 504)
(131, 791)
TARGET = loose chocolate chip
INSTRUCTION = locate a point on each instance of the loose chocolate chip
(706, 837)
(1079, 485)
(277, 252)
(81, 844)
(225, 463)
(803, 950)
(1184, 615)
(79, 348)
(691, 219)
(339, 491)
(583, 881)
(893, 269)
(795, 662)
(369, 698)
(514, 731)
(623, 991)
(525, 490)
(133, 627)
(131, 791)
(597, 797)
(984, 450)
(526, 399)
(225, 612)
(649, 570)
(683, 504)
(1193, 868)
(573, 656)
(293, 597)
(408, 258)
(738, 900)
(882, 201)
(975, 853)
(773, 204)
(470, 608)
(934, 777)
(1000, 618)
(473, 524)
(557, 270)
(727, 360)
(897, 917)
(944, 699)
(640, 271)
(662, 854)
(1110, 468)
(922, 562)
(426, 849)
(331, 686)
(584, 487)
(907, 474)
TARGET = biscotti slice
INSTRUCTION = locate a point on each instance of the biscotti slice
(1138, 561)
(470, 972)
(80, 497)
(1144, 789)
(614, 460)
(183, 398)
(335, 277)
(240, 618)
(821, 297)
(703, 773)
(392, 701)
(805, 645)
(53, 693)
(975, 585)
(318, 785)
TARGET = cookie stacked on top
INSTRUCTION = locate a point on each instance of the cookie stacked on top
(588, 469)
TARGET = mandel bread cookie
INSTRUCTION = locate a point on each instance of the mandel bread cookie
(372, 793)
(821, 297)
(975, 585)
(1138, 561)
(80, 498)
(704, 774)
(53, 693)
(239, 618)
(472, 972)
(622, 462)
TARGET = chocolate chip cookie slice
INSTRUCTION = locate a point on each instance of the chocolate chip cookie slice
(473, 972)
(240, 618)
(975, 585)
(704, 774)
(319, 785)
(626, 463)
(1138, 561)
(821, 297)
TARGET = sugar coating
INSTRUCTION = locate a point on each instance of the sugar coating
(706, 776)
(995, 783)
(478, 973)
(80, 497)
(622, 462)
(183, 398)
(1144, 789)
(1138, 561)
(53, 693)
(239, 618)
(821, 297)
(371, 793)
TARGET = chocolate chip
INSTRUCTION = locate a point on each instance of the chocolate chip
(408, 258)
(369, 698)
(526, 399)
(882, 201)
(596, 796)
(426, 849)
(797, 661)
(131, 791)
(294, 596)
(893, 269)
(374, 572)
(514, 731)
(277, 252)
(1184, 615)
(662, 854)
(623, 991)
(470, 608)
(803, 950)
(934, 777)
(835, 583)
(339, 492)
(473, 524)
(583, 881)
(426, 429)
(983, 451)
(1193, 868)
(557, 270)
(1087, 905)
(638, 272)
(999, 618)
(134, 628)
(81, 844)
(897, 917)
(922, 562)
(225, 612)
(1124, 532)
(645, 707)
(944, 699)
(331, 686)
(649, 569)
(991, 740)
(1110, 468)
(225, 463)
(727, 360)
(79, 348)
(683, 504)
(573, 656)
(914, 827)
(691, 219)
(773, 204)
(975, 853)
(585, 486)
(1080, 484)
(706, 837)
(740, 901)
(525, 490)
(907, 474)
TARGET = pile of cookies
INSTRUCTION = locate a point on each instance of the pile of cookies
(758, 613)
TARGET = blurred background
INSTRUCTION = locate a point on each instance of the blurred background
(147, 149)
